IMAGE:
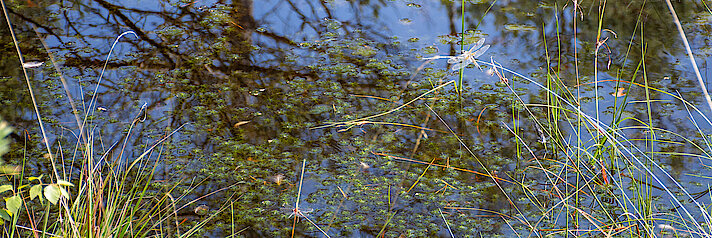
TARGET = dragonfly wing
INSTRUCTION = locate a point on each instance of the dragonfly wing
(436, 57)
(480, 51)
(477, 45)
(456, 59)
(460, 65)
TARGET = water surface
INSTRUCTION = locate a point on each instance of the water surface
(253, 82)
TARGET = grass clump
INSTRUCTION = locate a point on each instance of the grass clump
(90, 190)
(564, 162)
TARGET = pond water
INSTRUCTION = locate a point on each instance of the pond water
(394, 145)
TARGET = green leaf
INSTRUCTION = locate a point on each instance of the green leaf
(5, 215)
(64, 183)
(36, 191)
(22, 186)
(52, 193)
(13, 203)
(4, 188)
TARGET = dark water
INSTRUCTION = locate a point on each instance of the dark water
(252, 82)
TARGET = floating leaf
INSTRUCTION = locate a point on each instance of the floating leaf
(667, 227)
(278, 179)
(201, 210)
(620, 92)
(36, 191)
(13, 204)
(240, 124)
(32, 64)
(515, 27)
(363, 166)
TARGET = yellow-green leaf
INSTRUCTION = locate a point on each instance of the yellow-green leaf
(52, 193)
(63, 192)
(64, 183)
(35, 178)
(5, 215)
(36, 191)
(4, 188)
(13, 204)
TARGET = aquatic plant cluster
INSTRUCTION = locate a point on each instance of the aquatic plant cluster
(353, 119)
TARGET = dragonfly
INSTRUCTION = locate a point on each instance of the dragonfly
(466, 58)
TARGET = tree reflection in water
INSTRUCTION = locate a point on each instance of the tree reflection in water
(287, 66)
